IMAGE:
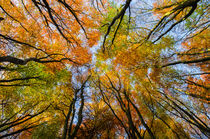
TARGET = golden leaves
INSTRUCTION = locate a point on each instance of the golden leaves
(25, 23)
(81, 55)
(94, 37)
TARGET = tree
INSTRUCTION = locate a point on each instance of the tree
(149, 59)
(37, 44)
(104, 69)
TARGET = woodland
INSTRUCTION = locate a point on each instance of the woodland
(104, 69)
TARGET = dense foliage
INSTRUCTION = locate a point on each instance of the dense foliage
(104, 69)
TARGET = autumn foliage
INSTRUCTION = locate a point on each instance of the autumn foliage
(105, 69)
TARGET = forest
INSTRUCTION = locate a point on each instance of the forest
(104, 69)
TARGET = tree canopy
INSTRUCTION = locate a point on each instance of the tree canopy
(107, 69)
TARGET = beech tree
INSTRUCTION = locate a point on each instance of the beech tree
(104, 69)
